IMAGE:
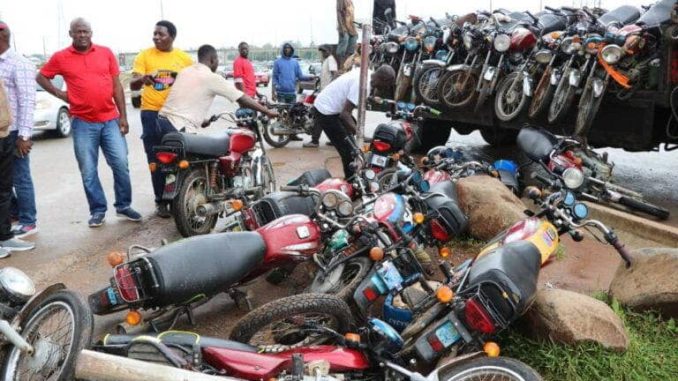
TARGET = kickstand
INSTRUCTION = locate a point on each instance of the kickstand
(240, 298)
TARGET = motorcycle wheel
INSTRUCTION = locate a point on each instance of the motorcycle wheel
(403, 83)
(562, 100)
(193, 193)
(387, 178)
(349, 276)
(508, 104)
(58, 329)
(491, 368)
(450, 91)
(275, 141)
(644, 207)
(267, 183)
(588, 108)
(426, 85)
(279, 325)
(543, 95)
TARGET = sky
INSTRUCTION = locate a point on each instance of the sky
(127, 25)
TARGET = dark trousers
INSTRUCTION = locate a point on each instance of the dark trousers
(336, 132)
(162, 127)
(317, 129)
(7, 148)
(151, 137)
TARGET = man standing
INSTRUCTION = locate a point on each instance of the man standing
(194, 90)
(348, 35)
(379, 19)
(286, 73)
(336, 103)
(243, 72)
(156, 68)
(16, 79)
(328, 73)
(97, 106)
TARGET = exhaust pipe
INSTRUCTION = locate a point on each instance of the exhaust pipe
(282, 130)
(210, 209)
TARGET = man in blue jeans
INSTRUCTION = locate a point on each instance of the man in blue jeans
(97, 105)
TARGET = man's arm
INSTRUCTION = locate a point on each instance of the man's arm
(46, 84)
(26, 96)
(346, 118)
(238, 74)
(139, 75)
(247, 102)
(222, 87)
(119, 98)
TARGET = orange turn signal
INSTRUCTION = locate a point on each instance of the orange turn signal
(152, 167)
(115, 258)
(424, 161)
(236, 205)
(418, 218)
(491, 349)
(396, 156)
(376, 254)
(366, 148)
(133, 317)
(444, 252)
(184, 164)
(444, 294)
(354, 337)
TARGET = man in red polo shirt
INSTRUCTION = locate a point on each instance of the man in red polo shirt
(97, 106)
(243, 72)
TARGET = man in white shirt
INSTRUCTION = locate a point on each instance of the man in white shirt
(328, 73)
(194, 90)
(336, 102)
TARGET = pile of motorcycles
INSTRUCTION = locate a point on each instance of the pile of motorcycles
(539, 63)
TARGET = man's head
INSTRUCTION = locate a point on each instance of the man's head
(324, 51)
(288, 50)
(81, 33)
(383, 80)
(243, 49)
(163, 35)
(4, 36)
(207, 55)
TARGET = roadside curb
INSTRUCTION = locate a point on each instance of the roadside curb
(639, 226)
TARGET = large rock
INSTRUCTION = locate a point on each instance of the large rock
(571, 318)
(651, 283)
(489, 204)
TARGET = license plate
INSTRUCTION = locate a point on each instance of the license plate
(379, 161)
(112, 298)
(169, 182)
(390, 275)
(407, 71)
(447, 334)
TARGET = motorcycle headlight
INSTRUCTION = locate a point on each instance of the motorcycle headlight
(392, 47)
(345, 209)
(502, 43)
(573, 178)
(611, 54)
(374, 187)
(468, 40)
(543, 56)
(592, 47)
(370, 175)
(568, 46)
(16, 284)
(411, 44)
(330, 200)
(430, 43)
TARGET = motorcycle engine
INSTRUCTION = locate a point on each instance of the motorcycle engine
(298, 114)
(243, 182)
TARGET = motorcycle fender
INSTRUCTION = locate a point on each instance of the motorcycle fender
(407, 70)
(448, 362)
(527, 85)
(172, 187)
(575, 77)
(258, 166)
(490, 73)
(439, 63)
(458, 67)
(598, 87)
(35, 301)
(555, 78)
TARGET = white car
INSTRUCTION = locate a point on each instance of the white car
(51, 113)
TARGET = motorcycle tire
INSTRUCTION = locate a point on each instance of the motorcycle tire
(504, 109)
(563, 98)
(275, 141)
(186, 202)
(351, 274)
(645, 207)
(267, 178)
(426, 85)
(588, 109)
(97, 308)
(387, 178)
(503, 368)
(70, 306)
(543, 95)
(287, 311)
(452, 97)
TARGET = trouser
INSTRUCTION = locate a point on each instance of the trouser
(317, 129)
(336, 132)
(151, 137)
(7, 149)
(287, 97)
(87, 138)
(23, 197)
(346, 45)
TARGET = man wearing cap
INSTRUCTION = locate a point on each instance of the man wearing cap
(328, 73)
(97, 105)
(16, 77)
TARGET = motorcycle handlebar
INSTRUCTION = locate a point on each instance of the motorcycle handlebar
(613, 240)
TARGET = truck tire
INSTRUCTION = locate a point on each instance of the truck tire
(428, 134)
(498, 137)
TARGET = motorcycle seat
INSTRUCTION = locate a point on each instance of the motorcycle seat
(446, 188)
(208, 145)
(204, 265)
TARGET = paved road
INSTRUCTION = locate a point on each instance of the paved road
(69, 251)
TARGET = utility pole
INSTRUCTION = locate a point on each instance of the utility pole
(364, 67)
(162, 11)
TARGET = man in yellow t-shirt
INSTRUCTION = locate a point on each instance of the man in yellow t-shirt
(156, 68)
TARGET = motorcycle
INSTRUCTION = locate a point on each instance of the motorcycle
(294, 119)
(203, 173)
(42, 333)
(582, 171)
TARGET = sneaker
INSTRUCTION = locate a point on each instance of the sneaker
(97, 220)
(21, 231)
(130, 214)
(162, 210)
(295, 138)
(310, 145)
(4, 253)
(15, 244)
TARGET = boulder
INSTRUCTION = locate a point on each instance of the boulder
(489, 204)
(571, 318)
(651, 283)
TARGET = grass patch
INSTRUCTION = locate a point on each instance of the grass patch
(652, 353)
